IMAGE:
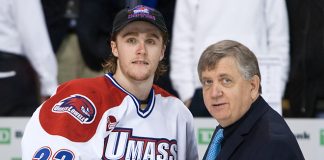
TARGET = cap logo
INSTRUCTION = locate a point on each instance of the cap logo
(142, 12)
(139, 13)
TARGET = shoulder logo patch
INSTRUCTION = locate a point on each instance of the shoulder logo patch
(78, 106)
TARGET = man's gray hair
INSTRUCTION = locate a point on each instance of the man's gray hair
(245, 58)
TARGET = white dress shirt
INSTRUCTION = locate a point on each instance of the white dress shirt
(261, 25)
(23, 32)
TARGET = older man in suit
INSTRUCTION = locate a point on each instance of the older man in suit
(248, 127)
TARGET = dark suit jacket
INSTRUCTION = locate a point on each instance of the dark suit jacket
(262, 135)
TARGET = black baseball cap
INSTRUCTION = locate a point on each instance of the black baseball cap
(139, 13)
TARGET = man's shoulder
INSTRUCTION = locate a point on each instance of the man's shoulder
(274, 125)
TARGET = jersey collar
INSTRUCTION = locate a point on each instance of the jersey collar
(151, 99)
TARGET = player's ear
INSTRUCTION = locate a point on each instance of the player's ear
(163, 52)
(114, 49)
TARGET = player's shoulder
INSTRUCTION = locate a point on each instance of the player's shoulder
(161, 91)
(177, 105)
(165, 95)
(78, 107)
(91, 85)
(95, 82)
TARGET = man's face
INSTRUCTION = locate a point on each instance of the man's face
(139, 48)
(227, 95)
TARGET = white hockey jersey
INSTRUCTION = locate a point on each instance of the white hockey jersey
(97, 119)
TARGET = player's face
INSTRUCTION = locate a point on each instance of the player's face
(227, 95)
(139, 48)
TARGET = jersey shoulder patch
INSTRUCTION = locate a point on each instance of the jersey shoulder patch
(78, 106)
(75, 111)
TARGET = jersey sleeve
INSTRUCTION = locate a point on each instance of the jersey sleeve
(65, 124)
(192, 149)
(187, 141)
